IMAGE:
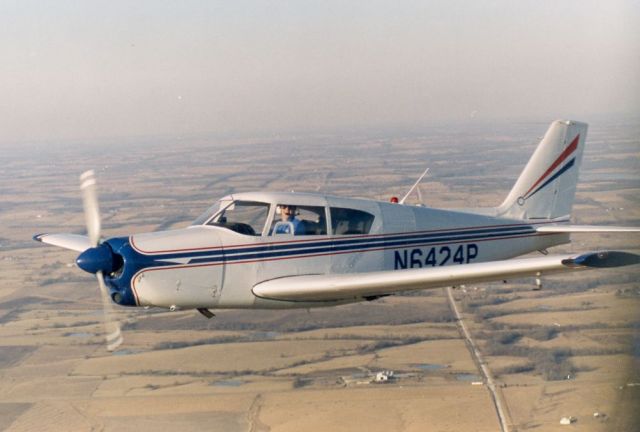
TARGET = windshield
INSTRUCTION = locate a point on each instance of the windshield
(244, 217)
(211, 211)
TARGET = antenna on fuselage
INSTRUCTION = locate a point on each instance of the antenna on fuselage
(415, 185)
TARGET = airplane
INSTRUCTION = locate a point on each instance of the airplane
(279, 250)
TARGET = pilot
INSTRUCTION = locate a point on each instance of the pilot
(288, 214)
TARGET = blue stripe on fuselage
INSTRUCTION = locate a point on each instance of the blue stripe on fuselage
(337, 245)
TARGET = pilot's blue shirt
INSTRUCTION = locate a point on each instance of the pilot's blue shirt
(285, 228)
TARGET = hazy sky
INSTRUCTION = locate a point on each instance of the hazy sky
(90, 69)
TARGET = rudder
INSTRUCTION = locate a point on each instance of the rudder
(547, 186)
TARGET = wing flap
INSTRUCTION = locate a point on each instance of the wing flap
(358, 285)
(74, 242)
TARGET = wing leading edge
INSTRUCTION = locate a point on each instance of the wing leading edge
(358, 285)
(74, 242)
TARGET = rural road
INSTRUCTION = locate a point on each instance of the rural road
(480, 362)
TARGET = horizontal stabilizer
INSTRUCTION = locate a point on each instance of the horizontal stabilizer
(74, 242)
(585, 229)
(356, 286)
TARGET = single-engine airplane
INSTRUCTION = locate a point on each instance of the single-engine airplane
(268, 250)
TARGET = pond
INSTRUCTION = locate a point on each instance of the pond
(227, 383)
(79, 334)
(429, 366)
(468, 377)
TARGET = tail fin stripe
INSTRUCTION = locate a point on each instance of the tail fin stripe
(554, 165)
(555, 176)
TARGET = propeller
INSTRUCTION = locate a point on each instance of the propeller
(90, 204)
(99, 258)
(111, 325)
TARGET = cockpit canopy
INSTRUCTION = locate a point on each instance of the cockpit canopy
(285, 215)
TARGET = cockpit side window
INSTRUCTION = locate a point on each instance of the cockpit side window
(244, 217)
(299, 220)
(346, 221)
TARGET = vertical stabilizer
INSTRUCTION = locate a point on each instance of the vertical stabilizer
(547, 186)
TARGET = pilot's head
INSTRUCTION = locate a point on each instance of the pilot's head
(287, 211)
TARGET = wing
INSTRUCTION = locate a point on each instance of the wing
(585, 229)
(74, 242)
(359, 285)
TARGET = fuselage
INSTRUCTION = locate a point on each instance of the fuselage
(238, 243)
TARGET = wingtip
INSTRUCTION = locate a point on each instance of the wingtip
(603, 259)
(74, 242)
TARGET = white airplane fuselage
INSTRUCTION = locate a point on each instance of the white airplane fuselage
(267, 250)
(209, 266)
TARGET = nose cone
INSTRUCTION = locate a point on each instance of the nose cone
(95, 259)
